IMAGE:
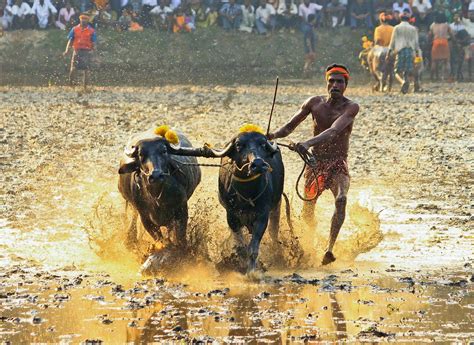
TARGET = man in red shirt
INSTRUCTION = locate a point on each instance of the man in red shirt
(83, 38)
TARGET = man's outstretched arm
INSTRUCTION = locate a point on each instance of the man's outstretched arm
(297, 118)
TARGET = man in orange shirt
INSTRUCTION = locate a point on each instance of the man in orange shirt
(382, 36)
(383, 32)
(82, 37)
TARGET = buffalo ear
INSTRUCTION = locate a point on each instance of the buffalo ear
(128, 165)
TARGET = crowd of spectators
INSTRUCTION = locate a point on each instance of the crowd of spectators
(249, 16)
(260, 16)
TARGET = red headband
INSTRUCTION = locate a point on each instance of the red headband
(338, 70)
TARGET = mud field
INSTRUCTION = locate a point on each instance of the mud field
(405, 253)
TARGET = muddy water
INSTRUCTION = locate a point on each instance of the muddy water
(404, 268)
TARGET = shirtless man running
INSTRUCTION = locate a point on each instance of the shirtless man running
(333, 117)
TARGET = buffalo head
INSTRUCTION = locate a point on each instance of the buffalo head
(250, 152)
(150, 157)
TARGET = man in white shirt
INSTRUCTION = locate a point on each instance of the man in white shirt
(307, 8)
(265, 18)
(248, 17)
(65, 16)
(400, 6)
(147, 6)
(43, 10)
(287, 15)
(405, 45)
(162, 14)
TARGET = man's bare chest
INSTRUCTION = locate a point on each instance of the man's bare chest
(324, 117)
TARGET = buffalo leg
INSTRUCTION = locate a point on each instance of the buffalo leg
(131, 239)
(258, 229)
(180, 225)
(274, 223)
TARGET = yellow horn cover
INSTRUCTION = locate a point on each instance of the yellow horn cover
(248, 127)
(172, 137)
(161, 130)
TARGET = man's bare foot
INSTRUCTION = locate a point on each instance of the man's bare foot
(328, 258)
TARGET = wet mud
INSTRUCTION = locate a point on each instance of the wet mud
(404, 255)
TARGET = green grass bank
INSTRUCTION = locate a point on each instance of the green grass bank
(155, 58)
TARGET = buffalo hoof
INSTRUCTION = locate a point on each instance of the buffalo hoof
(328, 258)
(405, 87)
(157, 262)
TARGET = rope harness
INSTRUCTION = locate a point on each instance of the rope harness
(309, 160)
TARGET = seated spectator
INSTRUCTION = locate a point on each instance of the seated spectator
(231, 15)
(248, 17)
(265, 19)
(162, 15)
(305, 9)
(9, 14)
(335, 14)
(125, 20)
(106, 17)
(174, 4)
(66, 17)
(360, 15)
(2, 22)
(422, 12)
(26, 16)
(43, 10)
(147, 6)
(400, 6)
(190, 17)
(179, 21)
(287, 15)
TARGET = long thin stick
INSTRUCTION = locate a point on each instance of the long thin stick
(273, 105)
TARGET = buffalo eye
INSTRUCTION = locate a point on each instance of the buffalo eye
(238, 147)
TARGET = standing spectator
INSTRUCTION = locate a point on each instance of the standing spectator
(65, 17)
(83, 38)
(265, 18)
(309, 44)
(458, 44)
(147, 6)
(231, 15)
(422, 12)
(43, 9)
(440, 32)
(248, 17)
(383, 32)
(469, 26)
(163, 15)
(335, 13)
(307, 8)
(360, 15)
(405, 45)
(308, 13)
(287, 15)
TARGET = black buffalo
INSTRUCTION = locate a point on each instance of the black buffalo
(157, 184)
(250, 187)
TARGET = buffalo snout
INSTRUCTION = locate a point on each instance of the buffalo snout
(156, 176)
(258, 165)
